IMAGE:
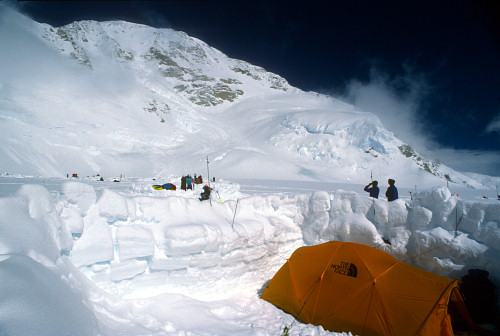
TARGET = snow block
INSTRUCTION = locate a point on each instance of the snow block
(72, 219)
(441, 203)
(95, 244)
(449, 253)
(353, 227)
(397, 214)
(490, 234)
(419, 218)
(80, 194)
(127, 270)
(169, 264)
(319, 202)
(21, 234)
(342, 202)
(134, 241)
(42, 208)
(318, 218)
(185, 240)
(114, 206)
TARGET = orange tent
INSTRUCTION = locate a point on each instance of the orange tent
(352, 287)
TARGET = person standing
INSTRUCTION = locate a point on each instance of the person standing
(392, 191)
(373, 190)
(183, 183)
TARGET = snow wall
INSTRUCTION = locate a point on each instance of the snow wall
(77, 254)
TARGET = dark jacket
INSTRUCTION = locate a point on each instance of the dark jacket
(392, 193)
(206, 193)
(374, 191)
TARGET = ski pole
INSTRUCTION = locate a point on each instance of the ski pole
(208, 172)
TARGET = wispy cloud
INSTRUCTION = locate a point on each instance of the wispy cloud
(399, 100)
(494, 125)
(470, 161)
(152, 17)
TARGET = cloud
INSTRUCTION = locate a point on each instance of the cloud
(397, 100)
(17, 6)
(152, 17)
(469, 161)
(400, 102)
(494, 125)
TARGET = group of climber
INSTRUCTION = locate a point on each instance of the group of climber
(187, 182)
(391, 193)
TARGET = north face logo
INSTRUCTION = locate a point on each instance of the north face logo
(345, 268)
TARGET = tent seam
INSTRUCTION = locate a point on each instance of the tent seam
(434, 307)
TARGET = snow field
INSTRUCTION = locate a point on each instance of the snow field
(129, 260)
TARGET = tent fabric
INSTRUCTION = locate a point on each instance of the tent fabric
(166, 186)
(356, 288)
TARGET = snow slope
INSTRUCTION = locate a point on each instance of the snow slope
(119, 98)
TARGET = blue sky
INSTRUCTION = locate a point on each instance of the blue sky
(429, 69)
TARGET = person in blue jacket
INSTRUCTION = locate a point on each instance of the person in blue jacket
(373, 190)
(189, 182)
(392, 191)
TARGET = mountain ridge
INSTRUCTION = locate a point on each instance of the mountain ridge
(117, 97)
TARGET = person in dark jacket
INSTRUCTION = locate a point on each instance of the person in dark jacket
(392, 191)
(206, 193)
(373, 190)
(480, 297)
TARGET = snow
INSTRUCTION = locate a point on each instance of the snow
(147, 261)
(144, 96)
(106, 254)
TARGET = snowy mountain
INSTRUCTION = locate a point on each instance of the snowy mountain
(115, 98)
(85, 256)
